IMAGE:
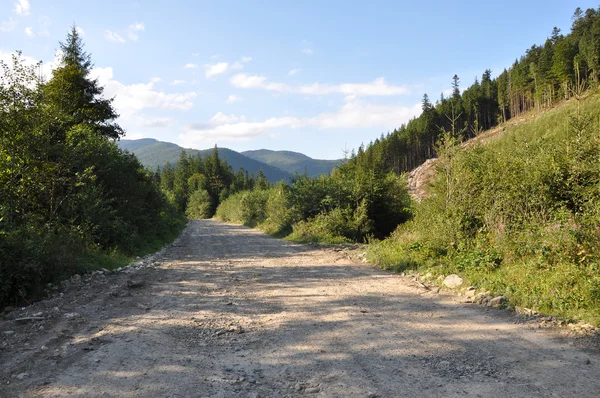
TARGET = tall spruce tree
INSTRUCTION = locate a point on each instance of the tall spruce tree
(75, 97)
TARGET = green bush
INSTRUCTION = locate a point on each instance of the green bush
(517, 215)
(200, 205)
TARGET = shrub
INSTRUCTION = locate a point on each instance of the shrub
(200, 205)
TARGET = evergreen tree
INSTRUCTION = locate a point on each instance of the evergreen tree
(74, 97)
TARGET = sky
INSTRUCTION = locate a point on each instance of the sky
(317, 77)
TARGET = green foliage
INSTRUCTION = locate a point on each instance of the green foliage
(518, 215)
(350, 205)
(200, 205)
(70, 200)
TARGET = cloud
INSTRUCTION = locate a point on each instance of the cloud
(307, 47)
(195, 54)
(234, 98)
(357, 114)
(353, 114)
(294, 71)
(190, 66)
(220, 68)
(29, 32)
(133, 30)
(80, 31)
(177, 82)
(113, 36)
(8, 26)
(230, 128)
(46, 68)
(376, 88)
(243, 80)
(215, 69)
(155, 122)
(221, 118)
(22, 7)
(135, 97)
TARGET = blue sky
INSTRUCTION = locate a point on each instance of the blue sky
(308, 76)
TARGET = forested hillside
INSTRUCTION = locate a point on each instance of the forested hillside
(562, 67)
(156, 154)
(293, 162)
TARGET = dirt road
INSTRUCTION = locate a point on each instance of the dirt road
(230, 312)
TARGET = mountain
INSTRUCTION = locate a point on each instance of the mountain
(153, 154)
(293, 162)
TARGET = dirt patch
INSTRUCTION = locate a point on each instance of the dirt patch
(230, 312)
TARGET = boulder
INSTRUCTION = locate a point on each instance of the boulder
(453, 281)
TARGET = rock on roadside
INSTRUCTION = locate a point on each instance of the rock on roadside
(453, 281)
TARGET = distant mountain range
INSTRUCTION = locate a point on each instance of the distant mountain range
(293, 162)
(277, 165)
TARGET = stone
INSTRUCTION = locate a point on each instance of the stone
(134, 284)
(9, 332)
(497, 301)
(70, 315)
(298, 387)
(453, 281)
(312, 390)
(21, 376)
(470, 293)
(76, 279)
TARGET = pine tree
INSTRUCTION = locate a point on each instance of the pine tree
(75, 97)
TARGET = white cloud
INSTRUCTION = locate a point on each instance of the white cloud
(353, 114)
(22, 7)
(376, 88)
(154, 122)
(237, 66)
(195, 54)
(230, 128)
(190, 66)
(177, 82)
(246, 59)
(155, 79)
(356, 114)
(307, 51)
(134, 97)
(234, 98)
(133, 30)
(221, 118)
(215, 69)
(242, 80)
(29, 32)
(80, 30)
(113, 36)
(46, 67)
(8, 26)
(294, 71)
